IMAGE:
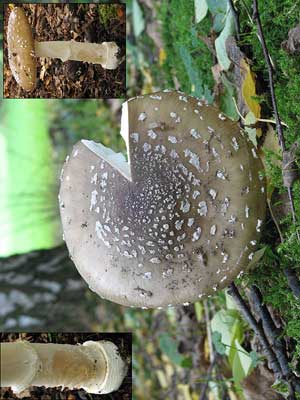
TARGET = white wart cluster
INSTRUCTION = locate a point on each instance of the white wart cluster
(178, 222)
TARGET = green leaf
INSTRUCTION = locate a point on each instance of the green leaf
(230, 303)
(227, 322)
(227, 104)
(217, 341)
(169, 346)
(217, 6)
(220, 42)
(197, 87)
(256, 257)
(137, 18)
(242, 363)
(200, 10)
(237, 335)
(250, 119)
(255, 358)
(280, 387)
(218, 9)
(187, 362)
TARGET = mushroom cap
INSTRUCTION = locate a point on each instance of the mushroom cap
(20, 44)
(177, 222)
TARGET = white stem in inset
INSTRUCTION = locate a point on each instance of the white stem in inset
(104, 53)
(95, 366)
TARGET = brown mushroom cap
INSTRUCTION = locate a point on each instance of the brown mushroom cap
(20, 45)
(178, 222)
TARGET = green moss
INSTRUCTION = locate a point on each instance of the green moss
(277, 18)
(187, 57)
(107, 12)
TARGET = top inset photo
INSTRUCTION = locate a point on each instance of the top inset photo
(64, 51)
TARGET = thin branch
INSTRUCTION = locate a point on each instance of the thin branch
(278, 344)
(272, 332)
(209, 373)
(275, 221)
(257, 328)
(293, 281)
(208, 332)
(236, 18)
(267, 334)
(256, 18)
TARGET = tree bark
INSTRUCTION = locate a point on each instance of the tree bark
(42, 290)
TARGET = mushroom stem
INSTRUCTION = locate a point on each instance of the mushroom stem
(104, 53)
(94, 366)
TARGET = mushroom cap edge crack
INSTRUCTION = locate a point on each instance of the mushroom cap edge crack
(177, 222)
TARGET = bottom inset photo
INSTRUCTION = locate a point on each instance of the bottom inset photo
(66, 366)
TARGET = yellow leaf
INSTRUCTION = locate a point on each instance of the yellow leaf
(249, 92)
(162, 379)
(206, 350)
(148, 86)
(169, 370)
(195, 396)
(199, 310)
(184, 391)
(248, 89)
(150, 348)
(162, 56)
(232, 395)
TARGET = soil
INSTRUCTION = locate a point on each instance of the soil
(72, 79)
(122, 340)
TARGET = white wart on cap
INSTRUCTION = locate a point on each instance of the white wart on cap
(180, 220)
(20, 46)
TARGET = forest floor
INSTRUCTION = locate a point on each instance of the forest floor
(72, 79)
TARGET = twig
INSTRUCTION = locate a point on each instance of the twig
(236, 18)
(293, 281)
(278, 345)
(212, 354)
(209, 373)
(208, 331)
(267, 333)
(275, 221)
(257, 328)
(256, 18)
(272, 332)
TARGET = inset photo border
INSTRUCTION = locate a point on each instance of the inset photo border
(70, 50)
(67, 366)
